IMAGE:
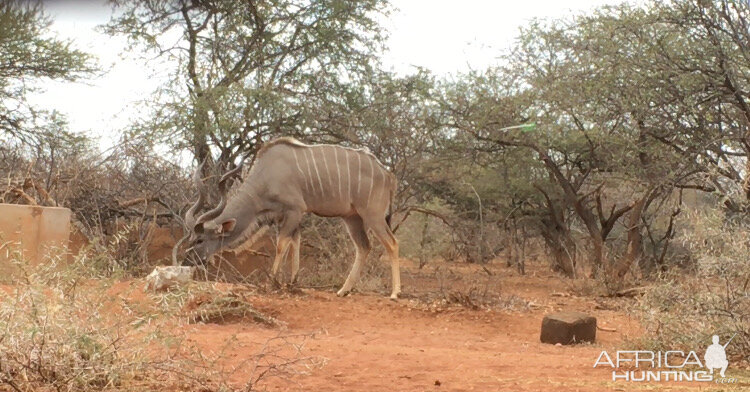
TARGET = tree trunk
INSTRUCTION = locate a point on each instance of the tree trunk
(635, 239)
(562, 248)
(556, 235)
(584, 213)
(633, 251)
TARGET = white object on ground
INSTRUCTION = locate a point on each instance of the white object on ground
(161, 278)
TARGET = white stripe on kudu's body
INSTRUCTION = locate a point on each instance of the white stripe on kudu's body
(309, 172)
(383, 190)
(282, 195)
(338, 169)
(359, 172)
(372, 180)
(325, 162)
(304, 176)
(315, 165)
(348, 176)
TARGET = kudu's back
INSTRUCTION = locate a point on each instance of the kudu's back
(326, 180)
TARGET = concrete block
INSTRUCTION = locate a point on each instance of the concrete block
(568, 328)
(34, 232)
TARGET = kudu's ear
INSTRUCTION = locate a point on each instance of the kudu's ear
(227, 226)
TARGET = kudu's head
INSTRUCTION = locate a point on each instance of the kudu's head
(206, 235)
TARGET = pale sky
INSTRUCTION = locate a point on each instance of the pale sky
(444, 36)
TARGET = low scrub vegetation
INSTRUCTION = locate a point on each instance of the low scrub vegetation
(65, 327)
(686, 309)
(64, 332)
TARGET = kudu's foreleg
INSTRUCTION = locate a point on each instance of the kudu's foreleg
(295, 255)
(282, 248)
(287, 233)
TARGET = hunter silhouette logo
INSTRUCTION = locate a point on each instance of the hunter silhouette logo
(716, 356)
(669, 365)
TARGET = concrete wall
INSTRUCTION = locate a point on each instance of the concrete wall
(32, 231)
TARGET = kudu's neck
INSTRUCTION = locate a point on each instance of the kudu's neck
(245, 208)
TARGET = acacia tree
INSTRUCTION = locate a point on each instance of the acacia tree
(706, 82)
(630, 104)
(29, 54)
(246, 70)
(36, 146)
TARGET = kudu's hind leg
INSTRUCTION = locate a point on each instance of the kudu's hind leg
(358, 233)
(383, 232)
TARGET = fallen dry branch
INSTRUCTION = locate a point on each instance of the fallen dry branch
(632, 292)
(274, 361)
(19, 187)
(226, 307)
(20, 194)
(133, 202)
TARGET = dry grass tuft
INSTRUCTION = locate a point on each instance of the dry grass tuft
(65, 327)
(61, 332)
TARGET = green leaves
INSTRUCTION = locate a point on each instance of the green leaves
(624, 100)
(28, 51)
(29, 55)
(249, 70)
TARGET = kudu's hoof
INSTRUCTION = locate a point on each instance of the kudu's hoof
(343, 293)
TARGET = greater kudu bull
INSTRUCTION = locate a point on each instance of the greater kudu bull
(289, 179)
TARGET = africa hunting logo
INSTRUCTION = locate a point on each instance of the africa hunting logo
(670, 365)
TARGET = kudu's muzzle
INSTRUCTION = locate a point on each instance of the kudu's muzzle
(193, 258)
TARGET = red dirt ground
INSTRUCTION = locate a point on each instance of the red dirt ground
(369, 343)
(365, 342)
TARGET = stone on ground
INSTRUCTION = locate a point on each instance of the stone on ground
(162, 278)
(568, 328)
